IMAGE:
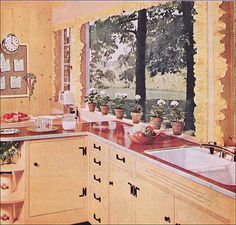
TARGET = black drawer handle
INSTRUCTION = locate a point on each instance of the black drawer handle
(97, 147)
(97, 219)
(97, 162)
(97, 198)
(111, 183)
(97, 179)
(121, 159)
(177, 224)
(4, 217)
(167, 219)
(36, 164)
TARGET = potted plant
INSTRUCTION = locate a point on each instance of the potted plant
(136, 110)
(91, 99)
(157, 113)
(118, 104)
(103, 100)
(9, 151)
(177, 118)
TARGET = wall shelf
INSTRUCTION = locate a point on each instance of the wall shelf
(15, 197)
(6, 168)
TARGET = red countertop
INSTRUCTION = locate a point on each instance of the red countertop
(116, 132)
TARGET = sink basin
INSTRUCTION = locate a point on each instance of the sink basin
(200, 161)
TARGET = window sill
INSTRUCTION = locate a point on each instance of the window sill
(98, 117)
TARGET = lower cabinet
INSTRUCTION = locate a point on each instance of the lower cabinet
(56, 178)
(152, 204)
(140, 193)
(186, 213)
(121, 200)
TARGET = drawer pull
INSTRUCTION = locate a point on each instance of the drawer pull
(97, 147)
(97, 162)
(97, 179)
(97, 198)
(36, 164)
(111, 183)
(4, 186)
(177, 224)
(167, 219)
(121, 159)
(5, 217)
(97, 219)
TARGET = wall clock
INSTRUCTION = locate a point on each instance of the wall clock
(10, 43)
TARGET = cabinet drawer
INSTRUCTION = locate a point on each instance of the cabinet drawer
(98, 216)
(6, 187)
(6, 214)
(98, 204)
(97, 178)
(98, 161)
(122, 159)
(98, 147)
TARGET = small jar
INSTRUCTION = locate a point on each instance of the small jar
(68, 122)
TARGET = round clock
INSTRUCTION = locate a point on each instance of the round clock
(10, 43)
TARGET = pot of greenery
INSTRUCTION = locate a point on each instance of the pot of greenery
(103, 100)
(9, 152)
(91, 99)
(156, 114)
(136, 110)
(177, 118)
(118, 104)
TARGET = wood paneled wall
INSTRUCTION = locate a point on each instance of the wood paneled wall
(31, 22)
(228, 124)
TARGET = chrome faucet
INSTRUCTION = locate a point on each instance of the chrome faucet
(213, 147)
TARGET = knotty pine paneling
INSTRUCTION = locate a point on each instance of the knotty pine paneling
(32, 24)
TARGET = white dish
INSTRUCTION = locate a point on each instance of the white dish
(37, 130)
(9, 131)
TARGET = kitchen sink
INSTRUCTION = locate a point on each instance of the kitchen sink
(200, 161)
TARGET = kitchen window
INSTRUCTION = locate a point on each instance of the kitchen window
(167, 67)
(62, 61)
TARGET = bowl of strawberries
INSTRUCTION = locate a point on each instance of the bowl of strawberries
(147, 135)
(15, 117)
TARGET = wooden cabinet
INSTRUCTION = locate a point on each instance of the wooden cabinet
(12, 191)
(142, 193)
(56, 177)
(121, 200)
(186, 213)
(182, 200)
(98, 182)
(152, 204)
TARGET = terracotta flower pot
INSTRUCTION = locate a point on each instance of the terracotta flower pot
(177, 127)
(91, 106)
(104, 109)
(136, 117)
(119, 113)
(156, 122)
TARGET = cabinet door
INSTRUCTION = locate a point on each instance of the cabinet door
(153, 205)
(190, 214)
(121, 201)
(57, 175)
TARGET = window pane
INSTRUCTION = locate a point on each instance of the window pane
(117, 54)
